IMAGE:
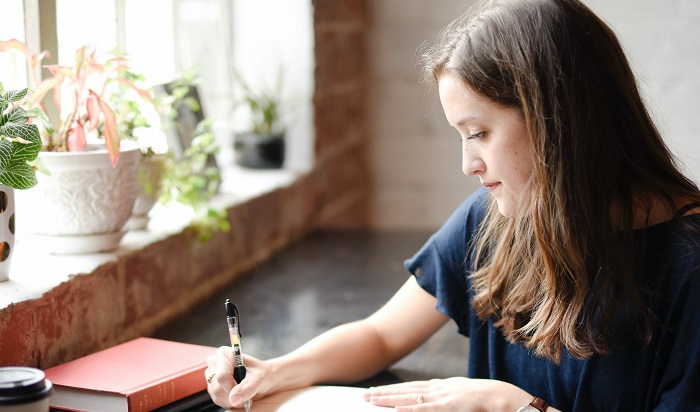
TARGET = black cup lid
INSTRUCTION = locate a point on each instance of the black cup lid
(20, 384)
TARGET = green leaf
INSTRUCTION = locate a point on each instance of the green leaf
(15, 95)
(19, 175)
(27, 132)
(5, 154)
(19, 142)
(18, 115)
(14, 169)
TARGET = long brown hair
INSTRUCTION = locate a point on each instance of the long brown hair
(556, 274)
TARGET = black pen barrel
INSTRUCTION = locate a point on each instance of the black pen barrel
(239, 373)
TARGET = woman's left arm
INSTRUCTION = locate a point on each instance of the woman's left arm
(451, 394)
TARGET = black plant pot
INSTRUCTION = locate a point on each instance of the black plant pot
(259, 151)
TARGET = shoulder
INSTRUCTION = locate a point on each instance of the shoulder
(678, 347)
(475, 205)
(442, 264)
(446, 252)
(671, 266)
(674, 247)
(465, 220)
(450, 242)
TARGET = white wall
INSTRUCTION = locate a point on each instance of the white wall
(662, 41)
(415, 155)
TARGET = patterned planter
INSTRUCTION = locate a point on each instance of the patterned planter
(83, 205)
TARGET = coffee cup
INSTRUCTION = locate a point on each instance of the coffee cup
(24, 389)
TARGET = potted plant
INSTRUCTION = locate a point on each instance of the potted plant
(191, 176)
(262, 144)
(19, 146)
(135, 110)
(193, 182)
(83, 205)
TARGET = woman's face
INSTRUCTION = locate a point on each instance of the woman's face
(495, 143)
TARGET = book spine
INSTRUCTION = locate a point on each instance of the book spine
(165, 392)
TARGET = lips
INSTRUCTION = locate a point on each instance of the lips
(491, 186)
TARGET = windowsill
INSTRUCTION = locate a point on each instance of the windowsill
(34, 272)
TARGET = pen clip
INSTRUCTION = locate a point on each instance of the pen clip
(232, 312)
(238, 319)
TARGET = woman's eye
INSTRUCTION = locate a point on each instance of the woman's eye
(477, 136)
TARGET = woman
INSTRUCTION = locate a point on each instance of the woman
(575, 272)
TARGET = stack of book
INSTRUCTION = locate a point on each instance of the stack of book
(139, 375)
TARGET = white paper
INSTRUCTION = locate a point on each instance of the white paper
(317, 399)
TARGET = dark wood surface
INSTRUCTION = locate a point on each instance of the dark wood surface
(326, 279)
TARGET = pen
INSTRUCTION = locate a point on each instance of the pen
(234, 330)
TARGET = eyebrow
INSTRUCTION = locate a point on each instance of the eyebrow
(467, 119)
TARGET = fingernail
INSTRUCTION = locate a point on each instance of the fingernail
(236, 400)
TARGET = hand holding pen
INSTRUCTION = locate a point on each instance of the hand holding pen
(234, 331)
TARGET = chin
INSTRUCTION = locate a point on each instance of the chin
(504, 209)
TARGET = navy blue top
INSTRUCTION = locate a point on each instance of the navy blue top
(664, 376)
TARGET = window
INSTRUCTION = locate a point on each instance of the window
(163, 38)
(79, 23)
(13, 73)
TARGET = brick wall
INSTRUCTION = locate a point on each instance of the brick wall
(145, 288)
(339, 105)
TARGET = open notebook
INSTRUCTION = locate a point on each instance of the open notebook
(317, 399)
(311, 399)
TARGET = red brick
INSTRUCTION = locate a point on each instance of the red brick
(79, 316)
(329, 11)
(17, 335)
(341, 58)
(340, 118)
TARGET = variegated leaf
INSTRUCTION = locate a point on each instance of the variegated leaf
(15, 95)
(18, 175)
(6, 150)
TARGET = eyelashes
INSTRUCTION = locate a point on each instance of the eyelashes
(475, 136)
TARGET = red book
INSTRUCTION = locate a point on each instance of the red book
(140, 375)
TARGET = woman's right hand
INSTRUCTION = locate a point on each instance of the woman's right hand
(223, 388)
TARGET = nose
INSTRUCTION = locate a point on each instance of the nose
(472, 163)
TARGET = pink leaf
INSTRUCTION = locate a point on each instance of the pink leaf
(110, 132)
(92, 104)
(76, 138)
(14, 44)
(33, 60)
(36, 58)
(57, 70)
(43, 88)
(119, 59)
(141, 92)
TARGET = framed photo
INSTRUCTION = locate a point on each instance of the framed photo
(190, 113)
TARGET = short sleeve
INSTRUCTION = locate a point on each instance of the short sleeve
(441, 266)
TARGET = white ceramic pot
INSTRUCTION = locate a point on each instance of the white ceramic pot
(83, 205)
(150, 176)
(7, 230)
